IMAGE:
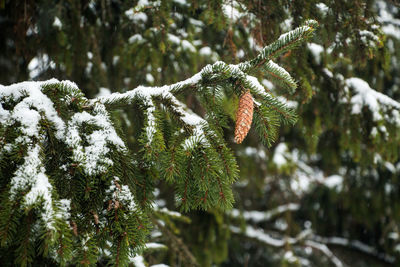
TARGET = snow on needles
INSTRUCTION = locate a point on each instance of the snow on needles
(147, 93)
(121, 193)
(26, 112)
(32, 107)
(94, 156)
(32, 173)
(197, 123)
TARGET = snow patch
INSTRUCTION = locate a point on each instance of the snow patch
(316, 51)
(375, 101)
(57, 23)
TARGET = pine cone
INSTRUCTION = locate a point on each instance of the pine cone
(244, 116)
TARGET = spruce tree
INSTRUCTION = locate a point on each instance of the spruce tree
(73, 192)
(323, 193)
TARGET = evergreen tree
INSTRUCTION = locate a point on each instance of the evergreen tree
(322, 192)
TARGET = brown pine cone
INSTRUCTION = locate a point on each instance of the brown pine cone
(244, 117)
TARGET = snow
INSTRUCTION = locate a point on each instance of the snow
(305, 177)
(355, 244)
(324, 249)
(39, 64)
(36, 106)
(64, 206)
(334, 181)
(149, 78)
(126, 197)
(136, 38)
(290, 257)
(174, 39)
(57, 23)
(230, 11)
(281, 71)
(205, 51)
(286, 25)
(181, 2)
(289, 103)
(122, 193)
(188, 46)
(252, 151)
(26, 112)
(259, 235)
(30, 176)
(137, 261)
(195, 22)
(323, 8)
(27, 172)
(316, 51)
(240, 54)
(32, 30)
(391, 30)
(169, 212)
(375, 101)
(279, 155)
(155, 246)
(185, 44)
(136, 17)
(390, 24)
(143, 3)
(253, 81)
(261, 216)
(160, 265)
(115, 60)
(268, 84)
(103, 92)
(328, 72)
(146, 94)
(28, 118)
(151, 120)
(93, 157)
(41, 188)
(390, 167)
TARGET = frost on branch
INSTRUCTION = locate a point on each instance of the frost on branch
(66, 169)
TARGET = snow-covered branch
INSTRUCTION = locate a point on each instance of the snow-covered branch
(376, 102)
(301, 239)
(353, 244)
(261, 236)
(326, 251)
(260, 216)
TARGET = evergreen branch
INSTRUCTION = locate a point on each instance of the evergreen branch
(284, 43)
(79, 137)
(266, 124)
(220, 71)
(280, 75)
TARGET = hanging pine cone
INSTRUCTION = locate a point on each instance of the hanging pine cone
(244, 116)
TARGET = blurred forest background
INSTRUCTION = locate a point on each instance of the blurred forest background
(326, 193)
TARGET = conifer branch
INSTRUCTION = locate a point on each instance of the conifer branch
(70, 162)
(220, 71)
